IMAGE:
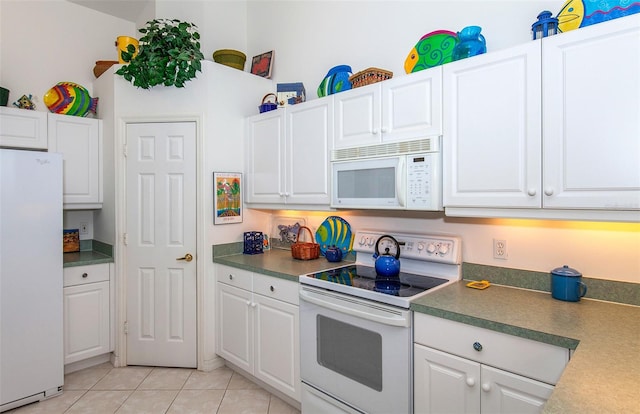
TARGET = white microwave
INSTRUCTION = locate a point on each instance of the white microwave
(394, 176)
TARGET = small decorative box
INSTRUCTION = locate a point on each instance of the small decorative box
(71, 241)
(253, 242)
(291, 93)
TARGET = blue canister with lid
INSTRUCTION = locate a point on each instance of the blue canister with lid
(566, 284)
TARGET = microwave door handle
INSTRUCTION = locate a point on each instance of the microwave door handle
(401, 182)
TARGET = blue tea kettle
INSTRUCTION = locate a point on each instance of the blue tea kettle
(387, 265)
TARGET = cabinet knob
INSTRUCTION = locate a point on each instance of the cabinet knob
(271, 288)
(531, 192)
(477, 346)
(84, 275)
(248, 303)
(230, 277)
(486, 387)
(471, 382)
(253, 304)
(548, 191)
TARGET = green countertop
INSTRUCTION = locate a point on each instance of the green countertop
(277, 263)
(83, 258)
(603, 375)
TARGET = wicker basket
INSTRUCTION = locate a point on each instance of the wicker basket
(369, 76)
(303, 250)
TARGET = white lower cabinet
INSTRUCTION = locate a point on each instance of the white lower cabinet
(466, 369)
(87, 321)
(257, 327)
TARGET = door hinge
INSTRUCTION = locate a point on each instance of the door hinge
(124, 239)
(126, 327)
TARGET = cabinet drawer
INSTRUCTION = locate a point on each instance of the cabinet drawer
(526, 357)
(273, 287)
(80, 275)
(235, 277)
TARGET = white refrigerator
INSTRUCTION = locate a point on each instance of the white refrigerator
(31, 339)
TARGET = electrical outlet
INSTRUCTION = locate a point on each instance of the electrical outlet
(84, 228)
(500, 249)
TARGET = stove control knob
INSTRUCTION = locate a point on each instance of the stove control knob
(420, 246)
(431, 248)
(444, 249)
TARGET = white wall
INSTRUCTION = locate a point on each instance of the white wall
(598, 250)
(309, 37)
(46, 42)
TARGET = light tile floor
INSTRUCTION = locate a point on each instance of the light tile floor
(103, 389)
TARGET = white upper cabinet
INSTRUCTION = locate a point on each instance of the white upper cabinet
(287, 155)
(591, 112)
(23, 128)
(547, 129)
(492, 126)
(398, 109)
(80, 142)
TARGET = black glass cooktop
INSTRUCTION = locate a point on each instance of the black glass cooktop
(364, 277)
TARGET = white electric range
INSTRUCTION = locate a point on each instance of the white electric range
(355, 327)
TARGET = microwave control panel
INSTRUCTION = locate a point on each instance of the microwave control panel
(423, 173)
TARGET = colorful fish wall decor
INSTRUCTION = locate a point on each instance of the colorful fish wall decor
(68, 98)
(580, 13)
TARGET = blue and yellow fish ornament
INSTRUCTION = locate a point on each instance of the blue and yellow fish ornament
(580, 13)
(69, 98)
(433, 49)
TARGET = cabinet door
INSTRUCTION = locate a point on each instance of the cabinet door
(277, 354)
(21, 128)
(444, 383)
(309, 139)
(504, 392)
(357, 117)
(264, 149)
(86, 321)
(80, 142)
(412, 106)
(235, 326)
(591, 80)
(492, 129)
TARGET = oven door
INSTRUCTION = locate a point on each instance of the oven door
(355, 351)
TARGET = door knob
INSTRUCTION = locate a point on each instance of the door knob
(186, 257)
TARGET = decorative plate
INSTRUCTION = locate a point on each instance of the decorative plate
(334, 231)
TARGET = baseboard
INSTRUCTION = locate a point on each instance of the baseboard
(87, 363)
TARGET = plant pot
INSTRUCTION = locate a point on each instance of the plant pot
(229, 57)
(122, 42)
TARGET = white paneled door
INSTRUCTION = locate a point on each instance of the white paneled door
(161, 244)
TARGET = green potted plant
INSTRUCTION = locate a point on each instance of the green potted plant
(168, 54)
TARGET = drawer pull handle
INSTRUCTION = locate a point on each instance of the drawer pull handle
(84, 275)
(477, 346)
(272, 289)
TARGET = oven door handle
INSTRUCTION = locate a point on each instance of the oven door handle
(375, 313)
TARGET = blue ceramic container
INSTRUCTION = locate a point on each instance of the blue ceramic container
(566, 284)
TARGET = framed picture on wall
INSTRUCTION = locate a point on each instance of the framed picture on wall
(227, 198)
(261, 65)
